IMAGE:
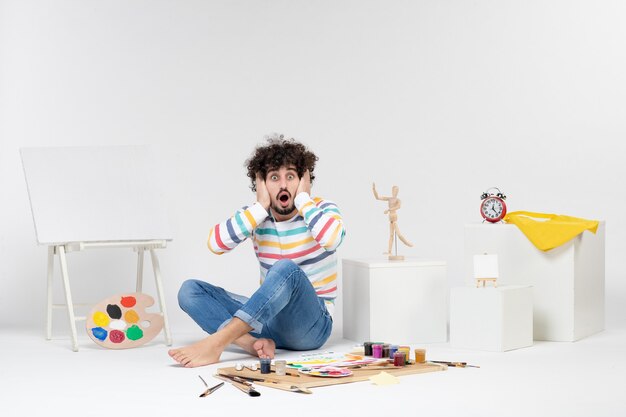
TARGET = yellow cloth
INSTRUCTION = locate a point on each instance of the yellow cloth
(551, 230)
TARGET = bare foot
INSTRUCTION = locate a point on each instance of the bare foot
(262, 348)
(265, 348)
(204, 352)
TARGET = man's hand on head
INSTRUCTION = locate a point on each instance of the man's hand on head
(262, 195)
(305, 183)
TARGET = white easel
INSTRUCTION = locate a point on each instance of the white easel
(96, 198)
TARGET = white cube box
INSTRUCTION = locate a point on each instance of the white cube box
(494, 319)
(568, 281)
(394, 301)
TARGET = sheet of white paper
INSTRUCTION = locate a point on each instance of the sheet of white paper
(384, 378)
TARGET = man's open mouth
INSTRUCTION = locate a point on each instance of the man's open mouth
(284, 197)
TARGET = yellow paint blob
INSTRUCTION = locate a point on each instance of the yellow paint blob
(131, 316)
(100, 319)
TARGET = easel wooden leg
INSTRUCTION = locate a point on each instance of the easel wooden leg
(139, 269)
(49, 296)
(68, 296)
(159, 287)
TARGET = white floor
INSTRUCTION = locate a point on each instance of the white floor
(549, 379)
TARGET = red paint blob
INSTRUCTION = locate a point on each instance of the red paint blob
(129, 301)
(116, 336)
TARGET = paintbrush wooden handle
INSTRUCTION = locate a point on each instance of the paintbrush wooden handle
(370, 367)
(260, 377)
(242, 387)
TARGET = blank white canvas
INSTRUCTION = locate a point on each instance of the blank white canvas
(486, 266)
(95, 193)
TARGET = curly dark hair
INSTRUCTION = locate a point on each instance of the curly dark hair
(279, 152)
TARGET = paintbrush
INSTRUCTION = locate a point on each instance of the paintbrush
(456, 364)
(381, 364)
(211, 389)
(248, 389)
(269, 382)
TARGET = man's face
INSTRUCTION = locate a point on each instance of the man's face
(282, 185)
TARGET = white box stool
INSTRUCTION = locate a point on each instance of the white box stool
(495, 319)
(394, 301)
(568, 281)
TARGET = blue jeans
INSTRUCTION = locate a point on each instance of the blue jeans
(285, 308)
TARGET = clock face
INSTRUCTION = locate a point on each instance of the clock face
(493, 209)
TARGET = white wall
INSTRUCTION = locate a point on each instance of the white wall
(443, 98)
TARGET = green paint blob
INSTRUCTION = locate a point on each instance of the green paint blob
(134, 332)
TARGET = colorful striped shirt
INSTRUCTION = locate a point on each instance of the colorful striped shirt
(309, 239)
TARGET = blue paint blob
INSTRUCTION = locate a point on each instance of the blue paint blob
(99, 333)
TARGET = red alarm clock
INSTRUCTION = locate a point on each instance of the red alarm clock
(493, 207)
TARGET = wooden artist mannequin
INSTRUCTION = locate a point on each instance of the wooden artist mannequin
(394, 231)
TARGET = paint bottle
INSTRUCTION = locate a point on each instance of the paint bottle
(386, 350)
(420, 355)
(367, 348)
(377, 350)
(398, 358)
(266, 365)
(281, 367)
(407, 353)
(392, 349)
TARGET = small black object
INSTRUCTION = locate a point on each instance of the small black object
(114, 311)
(266, 365)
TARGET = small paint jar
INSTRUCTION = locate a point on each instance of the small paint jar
(266, 365)
(407, 353)
(281, 367)
(377, 350)
(392, 349)
(398, 358)
(367, 348)
(386, 350)
(420, 355)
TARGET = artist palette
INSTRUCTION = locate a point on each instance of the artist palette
(121, 321)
